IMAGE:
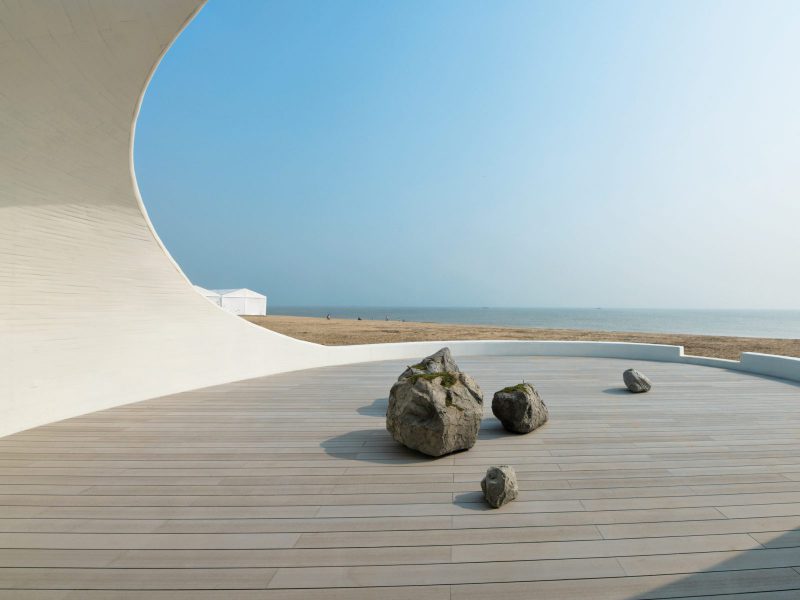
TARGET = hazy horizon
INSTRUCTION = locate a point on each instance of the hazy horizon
(511, 154)
(509, 307)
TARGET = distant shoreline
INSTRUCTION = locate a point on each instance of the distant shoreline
(351, 331)
(755, 323)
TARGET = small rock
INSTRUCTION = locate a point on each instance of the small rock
(435, 413)
(636, 382)
(500, 485)
(519, 408)
(439, 362)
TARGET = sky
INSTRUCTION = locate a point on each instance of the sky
(482, 153)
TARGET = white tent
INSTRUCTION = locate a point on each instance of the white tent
(242, 301)
(210, 295)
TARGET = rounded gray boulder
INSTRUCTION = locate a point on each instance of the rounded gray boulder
(519, 408)
(435, 413)
(636, 382)
(500, 486)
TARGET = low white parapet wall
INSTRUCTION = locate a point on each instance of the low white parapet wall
(783, 367)
(372, 352)
(755, 363)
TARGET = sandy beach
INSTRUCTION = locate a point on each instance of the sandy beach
(350, 331)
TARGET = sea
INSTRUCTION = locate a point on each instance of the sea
(745, 323)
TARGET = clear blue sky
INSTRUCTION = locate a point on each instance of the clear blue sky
(497, 153)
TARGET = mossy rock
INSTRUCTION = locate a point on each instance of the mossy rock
(435, 413)
(520, 408)
(447, 379)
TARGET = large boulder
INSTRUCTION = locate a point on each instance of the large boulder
(519, 408)
(435, 413)
(636, 382)
(500, 486)
(438, 362)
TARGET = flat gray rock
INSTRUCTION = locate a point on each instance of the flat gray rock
(636, 382)
(500, 486)
(519, 408)
(438, 362)
(435, 413)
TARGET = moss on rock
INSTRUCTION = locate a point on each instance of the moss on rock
(520, 387)
(448, 379)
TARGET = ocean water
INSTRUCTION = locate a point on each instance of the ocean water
(748, 323)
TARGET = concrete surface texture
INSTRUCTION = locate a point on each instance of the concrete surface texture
(94, 312)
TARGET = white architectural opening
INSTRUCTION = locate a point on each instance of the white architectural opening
(94, 312)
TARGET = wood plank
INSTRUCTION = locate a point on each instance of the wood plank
(731, 585)
(289, 487)
(447, 573)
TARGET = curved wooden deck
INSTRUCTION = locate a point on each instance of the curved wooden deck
(289, 487)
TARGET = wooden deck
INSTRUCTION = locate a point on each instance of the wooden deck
(289, 487)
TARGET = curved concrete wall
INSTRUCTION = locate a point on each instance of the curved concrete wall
(94, 313)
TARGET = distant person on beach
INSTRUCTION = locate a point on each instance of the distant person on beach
(328, 316)
(387, 317)
(359, 318)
